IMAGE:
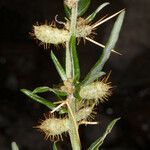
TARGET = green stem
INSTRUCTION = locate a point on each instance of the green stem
(69, 57)
(74, 14)
(73, 132)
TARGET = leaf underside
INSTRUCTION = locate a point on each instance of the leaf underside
(95, 72)
(99, 141)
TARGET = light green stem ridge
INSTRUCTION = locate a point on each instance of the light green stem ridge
(68, 62)
(74, 13)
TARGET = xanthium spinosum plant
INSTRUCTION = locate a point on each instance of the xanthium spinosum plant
(78, 98)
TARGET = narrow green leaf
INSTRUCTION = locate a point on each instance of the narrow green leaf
(92, 78)
(99, 141)
(44, 89)
(95, 71)
(93, 15)
(59, 67)
(54, 146)
(83, 5)
(41, 89)
(38, 98)
(67, 11)
(68, 63)
(58, 92)
(14, 146)
(75, 60)
(41, 100)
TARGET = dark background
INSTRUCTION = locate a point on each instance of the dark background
(24, 64)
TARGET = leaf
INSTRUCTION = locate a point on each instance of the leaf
(92, 78)
(58, 92)
(43, 101)
(67, 11)
(83, 5)
(93, 15)
(14, 146)
(95, 71)
(99, 142)
(41, 89)
(44, 89)
(59, 67)
(54, 146)
(38, 98)
(68, 63)
(75, 60)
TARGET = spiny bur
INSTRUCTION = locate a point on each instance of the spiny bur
(54, 127)
(96, 91)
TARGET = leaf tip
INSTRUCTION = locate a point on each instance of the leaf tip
(22, 90)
